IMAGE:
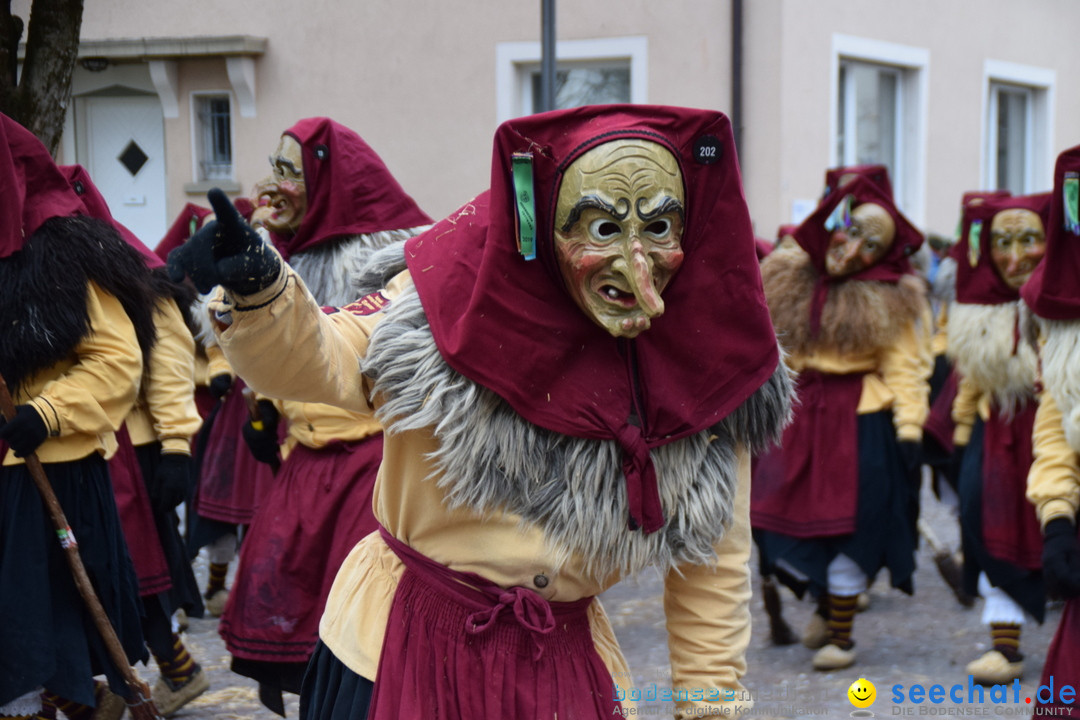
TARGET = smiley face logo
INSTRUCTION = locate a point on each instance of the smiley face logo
(862, 693)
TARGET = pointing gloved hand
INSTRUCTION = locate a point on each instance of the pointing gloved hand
(263, 442)
(1061, 558)
(171, 481)
(220, 384)
(25, 431)
(226, 252)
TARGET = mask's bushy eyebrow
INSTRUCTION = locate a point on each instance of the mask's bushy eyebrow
(669, 205)
(591, 201)
(275, 161)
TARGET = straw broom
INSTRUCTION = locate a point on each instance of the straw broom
(139, 702)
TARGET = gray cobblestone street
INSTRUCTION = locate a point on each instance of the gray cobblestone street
(926, 639)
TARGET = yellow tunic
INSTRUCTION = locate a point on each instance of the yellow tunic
(707, 607)
(1054, 479)
(84, 399)
(166, 409)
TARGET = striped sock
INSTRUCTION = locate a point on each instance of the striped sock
(179, 668)
(1006, 639)
(70, 708)
(841, 618)
(48, 708)
(218, 571)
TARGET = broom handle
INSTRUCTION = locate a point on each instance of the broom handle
(141, 702)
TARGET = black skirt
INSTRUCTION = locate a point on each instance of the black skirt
(885, 532)
(1021, 584)
(332, 691)
(184, 593)
(47, 637)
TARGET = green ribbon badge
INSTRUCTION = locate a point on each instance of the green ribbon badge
(525, 201)
(1071, 192)
(974, 247)
(840, 218)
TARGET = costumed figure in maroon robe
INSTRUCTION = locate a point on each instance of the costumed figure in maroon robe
(76, 305)
(1053, 295)
(330, 203)
(572, 371)
(838, 500)
(1002, 242)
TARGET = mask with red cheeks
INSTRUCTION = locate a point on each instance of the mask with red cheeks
(1017, 244)
(863, 243)
(618, 232)
(281, 198)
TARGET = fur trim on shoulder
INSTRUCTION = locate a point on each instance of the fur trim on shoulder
(493, 461)
(331, 270)
(859, 316)
(43, 304)
(1061, 372)
(984, 345)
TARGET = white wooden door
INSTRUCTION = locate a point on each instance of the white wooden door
(126, 160)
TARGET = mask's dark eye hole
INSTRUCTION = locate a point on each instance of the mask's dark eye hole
(658, 228)
(604, 229)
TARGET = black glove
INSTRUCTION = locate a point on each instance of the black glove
(220, 384)
(24, 432)
(956, 462)
(1061, 559)
(171, 481)
(910, 456)
(263, 443)
(225, 252)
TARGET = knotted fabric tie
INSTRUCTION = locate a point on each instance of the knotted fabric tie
(531, 611)
(642, 490)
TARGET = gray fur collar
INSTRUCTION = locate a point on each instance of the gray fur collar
(981, 343)
(330, 270)
(493, 461)
(1061, 372)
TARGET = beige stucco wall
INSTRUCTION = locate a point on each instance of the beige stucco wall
(415, 79)
(789, 76)
(418, 79)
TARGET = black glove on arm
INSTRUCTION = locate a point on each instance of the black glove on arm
(171, 481)
(25, 431)
(1061, 558)
(910, 455)
(220, 384)
(263, 443)
(225, 252)
(956, 462)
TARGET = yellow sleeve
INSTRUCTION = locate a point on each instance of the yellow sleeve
(964, 410)
(708, 620)
(285, 346)
(906, 368)
(96, 393)
(1053, 484)
(216, 362)
(170, 385)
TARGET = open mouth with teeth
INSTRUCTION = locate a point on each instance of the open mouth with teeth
(617, 296)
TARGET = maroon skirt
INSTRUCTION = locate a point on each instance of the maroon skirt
(231, 481)
(458, 647)
(1062, 660)
(1010, 525)
(808, 486)
(137, 519)
(317, 510)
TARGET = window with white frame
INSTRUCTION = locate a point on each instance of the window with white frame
(1017, 152)
(878, 114)
(869, 110)
(213, 137)
(607, 70)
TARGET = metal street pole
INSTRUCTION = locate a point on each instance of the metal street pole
(547, 55)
